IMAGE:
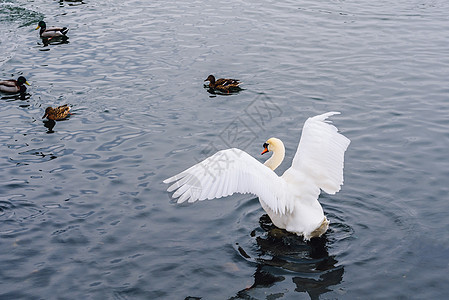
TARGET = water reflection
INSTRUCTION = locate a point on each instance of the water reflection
(283, 256)
(71, 2)
(18, 96)
(316, 287)
(50, 124)
(215, 92)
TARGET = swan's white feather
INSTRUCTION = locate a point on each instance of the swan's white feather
(225, 173)
(320, 153)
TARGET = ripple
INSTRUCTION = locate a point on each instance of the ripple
(16, 215)
(71, 235)
(14, 183)
(119, 140)
(43, 154)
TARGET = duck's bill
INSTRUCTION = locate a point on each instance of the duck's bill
(37, 27)
(27, 83)
(44, 116)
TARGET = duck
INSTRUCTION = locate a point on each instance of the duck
(290, 200)
(57, 113)
(14, 86)
(51, 31)
(223, 84)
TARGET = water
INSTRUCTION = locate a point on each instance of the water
(84, 212)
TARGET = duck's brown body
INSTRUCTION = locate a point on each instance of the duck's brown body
(58, 113)
(223, 84)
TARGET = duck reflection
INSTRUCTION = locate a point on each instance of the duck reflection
(49, 124)
(283, 255)
(214, 92)
(18, 96)
(71, 2)
(55, 40)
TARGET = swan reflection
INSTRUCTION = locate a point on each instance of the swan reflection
(285, 256)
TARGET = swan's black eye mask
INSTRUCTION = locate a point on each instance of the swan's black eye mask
(265, 148)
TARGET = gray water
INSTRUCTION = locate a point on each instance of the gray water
(83, 210)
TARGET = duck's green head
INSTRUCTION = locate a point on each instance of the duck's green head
(22, 80)
(42, 25)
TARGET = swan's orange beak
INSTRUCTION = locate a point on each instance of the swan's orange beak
(265, 150)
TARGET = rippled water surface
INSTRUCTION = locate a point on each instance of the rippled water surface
(83, 210)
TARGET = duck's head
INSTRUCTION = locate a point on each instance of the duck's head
(42, 25)
(210, 78)
(22, 80)
(277, 147)
(48, 110)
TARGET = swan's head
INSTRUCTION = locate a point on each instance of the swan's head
(273, 145)
(277, 147)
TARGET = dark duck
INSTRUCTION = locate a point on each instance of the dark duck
(225, 85)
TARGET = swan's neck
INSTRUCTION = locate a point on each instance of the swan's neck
(276, 159)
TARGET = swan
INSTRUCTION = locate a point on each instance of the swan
(291, 200)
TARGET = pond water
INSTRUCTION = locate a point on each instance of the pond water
(83, 210)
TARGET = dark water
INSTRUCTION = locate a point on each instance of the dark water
(83, 210)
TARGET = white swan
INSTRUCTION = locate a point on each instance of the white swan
(291, 200)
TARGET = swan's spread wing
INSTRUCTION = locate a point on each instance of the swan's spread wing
(227, 172)
(320, 153)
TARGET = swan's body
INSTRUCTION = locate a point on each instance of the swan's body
(290, 200)
(51, 32)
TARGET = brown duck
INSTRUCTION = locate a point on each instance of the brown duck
(58, 113)
(223, 84)
(14, 86)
